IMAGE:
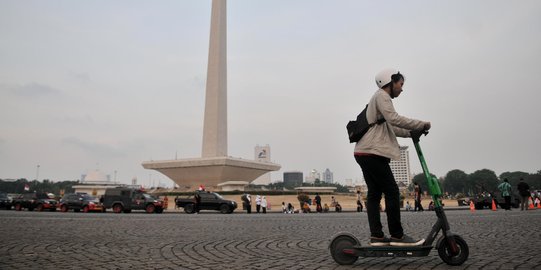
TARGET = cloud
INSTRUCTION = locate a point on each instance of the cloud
(94, 148)
(29, 90)
(82, 78)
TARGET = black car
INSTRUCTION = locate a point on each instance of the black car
(80, 201)
(123, 199)
(5, 201)
(209, 201)
(38, 201)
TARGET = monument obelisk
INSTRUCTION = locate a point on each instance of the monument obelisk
(215, 125)
(214, 166)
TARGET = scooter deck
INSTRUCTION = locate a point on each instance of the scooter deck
(391, 251)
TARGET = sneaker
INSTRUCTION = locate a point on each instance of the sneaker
(406, 241)
(379, 242)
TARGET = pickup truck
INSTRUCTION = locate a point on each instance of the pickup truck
(39, 201)
(209, 201)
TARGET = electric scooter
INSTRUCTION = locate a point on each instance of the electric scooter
(452, 249)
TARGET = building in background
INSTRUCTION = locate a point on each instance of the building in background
(95, 183)
(401, 167)
(262, 154)
(327, 176)
(312, 176)
(293, 179)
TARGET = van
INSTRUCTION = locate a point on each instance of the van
(122, 199)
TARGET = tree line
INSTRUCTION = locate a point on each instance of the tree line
(485, 180)
(18, 186)
(454, 182)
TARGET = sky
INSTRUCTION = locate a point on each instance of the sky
(106, 85)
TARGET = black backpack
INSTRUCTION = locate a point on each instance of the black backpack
(357, 128)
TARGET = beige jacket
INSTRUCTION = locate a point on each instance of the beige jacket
(381, 139)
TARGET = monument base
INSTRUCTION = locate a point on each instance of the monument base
(188, 174)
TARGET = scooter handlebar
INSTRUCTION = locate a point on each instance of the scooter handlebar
(416, 134)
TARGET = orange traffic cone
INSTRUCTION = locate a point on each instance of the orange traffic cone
(493, 205)
(531, 204)
(472, 207)
(538, 203)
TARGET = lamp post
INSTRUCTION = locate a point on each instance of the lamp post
(37, 173)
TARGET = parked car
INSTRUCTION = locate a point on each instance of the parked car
(80, 201)
(39, 201)
(122, 199)
(209, 201)
(5, 201)
(484, 200)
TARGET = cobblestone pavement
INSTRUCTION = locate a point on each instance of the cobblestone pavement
(53, 240)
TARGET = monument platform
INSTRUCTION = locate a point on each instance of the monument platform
(210, 171)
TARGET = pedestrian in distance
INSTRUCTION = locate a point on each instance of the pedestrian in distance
(417, 192)
(325, 208)
(248, 204)
(290, 208)
(374, 151)
(431, 206)
(333, 201)
(524, 191)
(284, 208)
(359, 201)
(264, 204)
(338, 207)
(257, 203)
(197, 202)
(319, 209)
(408, 206)
(505, 189)
(306, 208)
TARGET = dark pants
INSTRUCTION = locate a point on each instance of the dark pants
(524, 202)
(359, 206)
(418, 205)
(248, 208)
(507, 202)
(258, 208)
(380, 180)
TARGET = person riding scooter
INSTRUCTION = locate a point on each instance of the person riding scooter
(374, 152)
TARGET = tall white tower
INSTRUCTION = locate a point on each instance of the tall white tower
(214, 166)
(215, 125)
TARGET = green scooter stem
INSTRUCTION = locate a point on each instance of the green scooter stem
(433, 184)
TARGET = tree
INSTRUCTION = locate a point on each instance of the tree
(421, 180)
(534, 180)
(455, 181)
(484, 180)
(514, 177)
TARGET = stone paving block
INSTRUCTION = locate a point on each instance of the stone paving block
(497, 240)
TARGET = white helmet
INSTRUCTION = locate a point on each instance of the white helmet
(384, 76)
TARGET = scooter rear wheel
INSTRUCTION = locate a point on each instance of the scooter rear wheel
(337, 249)
(451, 258)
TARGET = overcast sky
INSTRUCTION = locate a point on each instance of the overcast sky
(106, 85)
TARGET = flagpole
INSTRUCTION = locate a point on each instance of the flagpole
(37, 173)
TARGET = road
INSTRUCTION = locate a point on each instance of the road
(53, 240)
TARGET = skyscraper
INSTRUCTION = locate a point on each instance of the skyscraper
(327, 176)
(401, 168)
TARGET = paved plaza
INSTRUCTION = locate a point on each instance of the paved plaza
(53, 240)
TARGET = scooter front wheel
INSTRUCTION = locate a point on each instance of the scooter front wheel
(456, 255)
(342, 248)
